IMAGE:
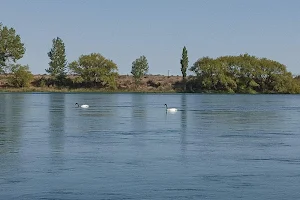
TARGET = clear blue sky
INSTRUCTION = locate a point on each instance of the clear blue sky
(123, 30)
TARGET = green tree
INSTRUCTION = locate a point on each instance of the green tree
(139, 68)
(58, 61)
(212, 75)
(11, 47)
(184, 62)
(95, 69)
(243, 74)
(20, 76)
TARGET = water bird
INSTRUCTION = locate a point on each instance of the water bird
(82, 106)
(170, 109)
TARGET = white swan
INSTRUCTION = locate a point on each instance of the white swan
(170, 109)
(82, 106)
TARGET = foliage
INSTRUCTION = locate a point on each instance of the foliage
(184, 62)
(139, 68)
(58, 61)
(243, 74)
(20, 76)
(42, 82)
(95, 70)
(11, 47)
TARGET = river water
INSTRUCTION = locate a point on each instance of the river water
(126, 146)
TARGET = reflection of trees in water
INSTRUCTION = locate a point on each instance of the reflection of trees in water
(138, 120)
(139, 114)
(234, 119)
(11, 114)
(99, 116)
(56, 125)
(183, 122)
(233, 110)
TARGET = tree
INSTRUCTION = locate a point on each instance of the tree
(21, 76)
(243, 74)
(58, 61)
(184, 62)
(95, 69)
(139, 68)
(11, 47)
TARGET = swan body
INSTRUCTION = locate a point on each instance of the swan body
(170, 109)
(82, 106)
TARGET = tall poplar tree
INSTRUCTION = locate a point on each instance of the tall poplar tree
(184, 65)
(184, 62)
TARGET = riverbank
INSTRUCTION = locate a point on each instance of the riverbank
(124, 83)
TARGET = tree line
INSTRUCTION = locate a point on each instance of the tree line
(226, 74)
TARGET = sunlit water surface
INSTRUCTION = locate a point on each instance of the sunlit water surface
(125, 146)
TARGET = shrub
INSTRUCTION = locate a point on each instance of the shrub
(21, 76)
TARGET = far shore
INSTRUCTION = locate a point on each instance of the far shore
(125, 84)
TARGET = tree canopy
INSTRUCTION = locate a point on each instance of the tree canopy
(21, 76)
(11, 47)
(139, 68)
(95, 70)
(243, 74)
(184, 62)
(57, 56)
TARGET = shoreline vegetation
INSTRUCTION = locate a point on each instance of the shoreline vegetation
(124, 84)
(238, 74)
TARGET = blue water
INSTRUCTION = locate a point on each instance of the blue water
(126, 146)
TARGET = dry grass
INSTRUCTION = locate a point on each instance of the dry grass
(151, 83)
(125, 83)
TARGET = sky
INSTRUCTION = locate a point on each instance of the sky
(124, 30)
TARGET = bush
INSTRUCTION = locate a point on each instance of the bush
(21, 76)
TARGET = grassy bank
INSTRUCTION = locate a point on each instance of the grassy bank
(125, 83)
